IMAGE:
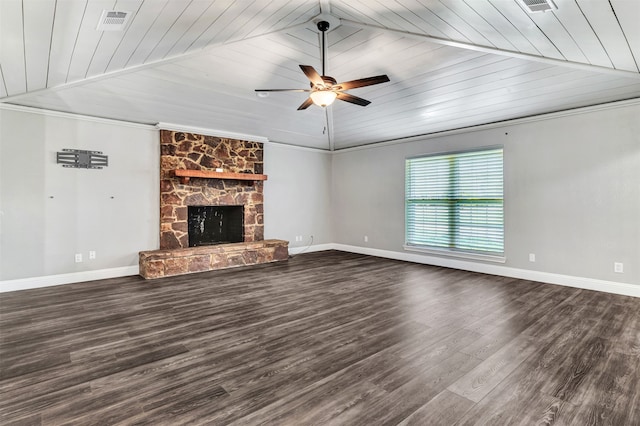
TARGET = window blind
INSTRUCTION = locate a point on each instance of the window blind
(455, 201)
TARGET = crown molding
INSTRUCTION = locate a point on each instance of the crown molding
(211, 132)
(63, 114)
(495, 125)
(262, 139)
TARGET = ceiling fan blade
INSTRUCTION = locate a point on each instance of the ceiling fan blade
(369, 81)
(353, 99)
(306, 104)
(283, 90)
(312, 75)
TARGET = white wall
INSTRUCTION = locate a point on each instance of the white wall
(49, 213)
(572, 192)
(297, 195)
(572, 195)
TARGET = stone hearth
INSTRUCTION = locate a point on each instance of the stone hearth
(166, 263)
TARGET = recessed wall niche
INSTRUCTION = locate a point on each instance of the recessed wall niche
(180, 150)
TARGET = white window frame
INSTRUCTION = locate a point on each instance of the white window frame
(454, 252)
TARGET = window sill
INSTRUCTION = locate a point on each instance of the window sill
(458, 254)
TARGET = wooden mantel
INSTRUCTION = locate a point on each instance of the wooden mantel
(185, 175)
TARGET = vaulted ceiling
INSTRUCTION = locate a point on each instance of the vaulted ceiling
(196, 63)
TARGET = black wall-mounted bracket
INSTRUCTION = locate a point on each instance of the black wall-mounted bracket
(81, 159)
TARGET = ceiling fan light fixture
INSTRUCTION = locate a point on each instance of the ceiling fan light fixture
(323, 98)
(324, 89)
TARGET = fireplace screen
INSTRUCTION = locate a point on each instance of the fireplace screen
(210, 225)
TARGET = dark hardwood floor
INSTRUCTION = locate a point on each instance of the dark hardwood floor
(324, 338)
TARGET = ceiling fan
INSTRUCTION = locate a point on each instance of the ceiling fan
(324, 89)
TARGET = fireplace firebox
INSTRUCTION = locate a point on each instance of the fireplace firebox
(209, 225)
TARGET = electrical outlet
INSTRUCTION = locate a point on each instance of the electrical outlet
(78, 257)
(92, 254)
(366, 238)
(618, 267)
(532, 257)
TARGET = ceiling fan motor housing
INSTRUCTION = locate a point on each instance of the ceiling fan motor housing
(328, 83)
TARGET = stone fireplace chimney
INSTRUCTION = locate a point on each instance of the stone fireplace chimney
(190, 151)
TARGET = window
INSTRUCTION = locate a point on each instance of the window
(454, 202)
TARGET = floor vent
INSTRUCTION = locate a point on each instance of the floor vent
(539, 5)
(112, 20)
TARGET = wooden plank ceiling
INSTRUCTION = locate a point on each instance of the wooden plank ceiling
(452, 63)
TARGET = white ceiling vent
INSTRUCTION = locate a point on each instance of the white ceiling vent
(539, 5)
(113, 20)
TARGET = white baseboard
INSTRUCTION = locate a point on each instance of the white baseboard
(309, 249)
(74, 277)
(494, 269)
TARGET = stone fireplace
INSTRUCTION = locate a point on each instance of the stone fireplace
(202, 180)
(190, 151)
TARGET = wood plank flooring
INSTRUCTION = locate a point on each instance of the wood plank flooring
(324, 338)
